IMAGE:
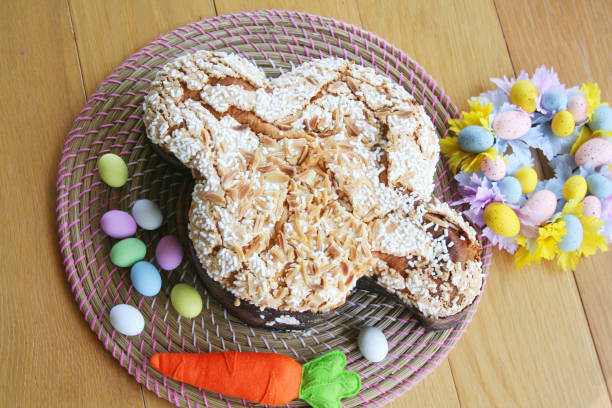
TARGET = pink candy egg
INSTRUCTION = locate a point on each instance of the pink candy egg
(539, 207)
(591, 206)
(511, 124)
(578, 107)
(118, 224)
(595, 152)
(493, 169)
(169, 253)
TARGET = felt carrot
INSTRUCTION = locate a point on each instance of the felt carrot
(266, 378)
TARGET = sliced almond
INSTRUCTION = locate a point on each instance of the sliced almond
(214, 197)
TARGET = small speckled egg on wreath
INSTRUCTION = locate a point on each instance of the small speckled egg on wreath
(561, 218)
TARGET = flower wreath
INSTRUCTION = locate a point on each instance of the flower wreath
(564, 217)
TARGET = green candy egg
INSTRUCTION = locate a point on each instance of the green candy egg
(127, 252)
(113, 170)
(186, 300)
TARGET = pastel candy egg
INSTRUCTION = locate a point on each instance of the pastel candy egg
(118, 224)
(493, 169)
(145, 278)
(501, 219)
(511, 188)
(373, 344)
(602, 119)
(186, 300)
(169, 253)
(475, 139)
(596, 152)
(563, 124)
(574, 187)
(113, 170)
(528, 178)
(591, 206)
(127, 252)
(554, 101)
(599, 185)
(578, 106)
(127, 319)
(147, 214)
(573, 237)
(524, 94)
(539, 207)
(511, 125)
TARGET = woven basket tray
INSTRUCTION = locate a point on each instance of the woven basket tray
(111, 121)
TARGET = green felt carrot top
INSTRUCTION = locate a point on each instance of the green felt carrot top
(266, 378)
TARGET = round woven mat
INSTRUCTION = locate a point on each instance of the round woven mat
(111, 121)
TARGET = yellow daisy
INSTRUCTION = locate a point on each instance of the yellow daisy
(542, 247)
(449, 146)
(592, 94)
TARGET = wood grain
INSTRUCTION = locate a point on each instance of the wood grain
(484, 374)
(540, 337)
(584, 56)
(107, 32)
(49, 356)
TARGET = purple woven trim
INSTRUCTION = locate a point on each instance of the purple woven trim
(265, 19)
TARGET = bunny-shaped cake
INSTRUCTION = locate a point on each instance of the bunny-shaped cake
(309, 183)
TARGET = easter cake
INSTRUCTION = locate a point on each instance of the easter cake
(309, 185)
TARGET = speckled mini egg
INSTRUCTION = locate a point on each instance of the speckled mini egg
(524, 94)
(493, 169)
(528, 178)
(596, 152)
(573, 237)
(602, 119)
(554, 101)
(501, 219)
(578, 106)
(539, 207)
(599, 185)
(575, 187)
(511, 125)
(563, 124)
(511, 188)
(475, 139)
(591, 206)
(373, 344)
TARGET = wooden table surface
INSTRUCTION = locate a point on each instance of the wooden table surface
(541, 337)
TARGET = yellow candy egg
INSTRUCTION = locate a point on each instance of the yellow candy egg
(575, 187)
(563, 123)
(502, 219)
(528, 178)
(524, 94)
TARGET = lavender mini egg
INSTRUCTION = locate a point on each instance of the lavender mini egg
(169, 253)
(511, 125)
(118, 224)
(493, 169)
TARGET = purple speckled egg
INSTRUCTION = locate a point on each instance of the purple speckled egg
(578, 107)
(511, 124)
(169, 253)
(493, 169)
(118, 224)
(591, 206)
(595, 152)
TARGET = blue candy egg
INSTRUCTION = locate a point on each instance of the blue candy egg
(554, 101)
(602, 119)
(145, 278)
(475, 139)
(599, 185)
(573, 237)
(511, 188)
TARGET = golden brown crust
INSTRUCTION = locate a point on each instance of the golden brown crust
(309, 181)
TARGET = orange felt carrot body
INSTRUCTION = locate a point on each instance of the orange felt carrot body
(267, 378)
